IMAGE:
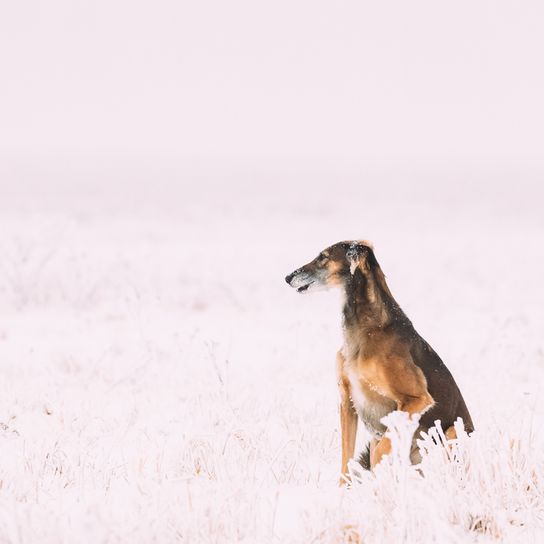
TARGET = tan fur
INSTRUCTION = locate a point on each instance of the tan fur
(348, 417)
(386, 372)
(333, 269)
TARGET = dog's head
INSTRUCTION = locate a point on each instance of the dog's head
(332, 267)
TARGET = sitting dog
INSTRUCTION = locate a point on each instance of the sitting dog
(384, 365)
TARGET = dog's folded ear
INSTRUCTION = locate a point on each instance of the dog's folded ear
(355, 255)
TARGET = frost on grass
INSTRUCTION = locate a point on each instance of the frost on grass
(489, 484)
(146, 396)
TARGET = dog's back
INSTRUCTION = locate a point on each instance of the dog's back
(449, 403)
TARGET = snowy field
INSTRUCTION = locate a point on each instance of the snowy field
(161, 383)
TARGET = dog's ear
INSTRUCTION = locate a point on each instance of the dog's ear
(355, 255)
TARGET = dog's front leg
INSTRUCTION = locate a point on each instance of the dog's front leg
(348, 417)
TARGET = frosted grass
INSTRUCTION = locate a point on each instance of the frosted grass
(160, 383)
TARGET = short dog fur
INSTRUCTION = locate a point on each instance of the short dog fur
(384, 365)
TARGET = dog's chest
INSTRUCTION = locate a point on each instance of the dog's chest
(369, 404)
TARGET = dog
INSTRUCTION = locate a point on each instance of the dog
(384, 364)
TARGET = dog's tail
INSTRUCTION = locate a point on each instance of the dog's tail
(364, 457)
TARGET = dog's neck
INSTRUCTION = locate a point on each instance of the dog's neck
(369, 305)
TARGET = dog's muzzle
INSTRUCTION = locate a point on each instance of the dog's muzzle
(299, 280)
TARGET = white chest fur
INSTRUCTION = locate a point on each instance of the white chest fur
(369, 408)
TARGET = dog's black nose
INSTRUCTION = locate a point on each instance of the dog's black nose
(289, 278)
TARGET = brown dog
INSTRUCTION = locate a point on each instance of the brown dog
(384, 365)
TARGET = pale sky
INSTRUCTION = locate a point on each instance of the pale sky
(284, 78)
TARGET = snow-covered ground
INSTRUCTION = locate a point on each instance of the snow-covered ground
(161, 383)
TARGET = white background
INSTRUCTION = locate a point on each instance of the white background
(425, 80)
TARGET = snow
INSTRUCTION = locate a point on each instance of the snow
(161, 382)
